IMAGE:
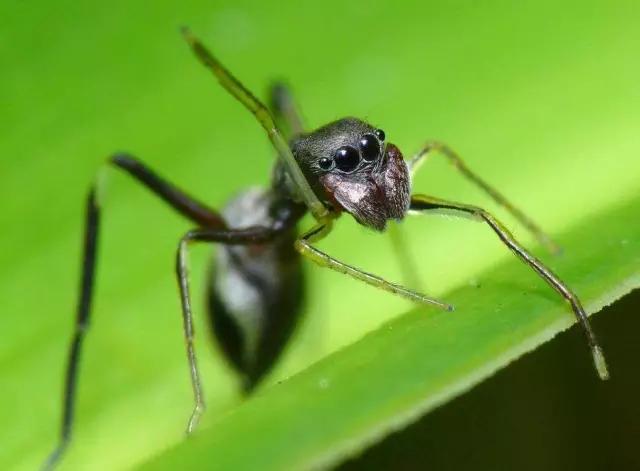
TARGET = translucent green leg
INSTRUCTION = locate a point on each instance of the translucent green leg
(251, 235)
(259, 110)
(405, 260)
(428, 203)
(433, 147)
(303, 245)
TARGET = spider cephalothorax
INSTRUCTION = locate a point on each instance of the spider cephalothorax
(354, 169)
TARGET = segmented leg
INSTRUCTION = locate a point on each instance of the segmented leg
(252, 235)
(428, 203)
(180, 201)
(285, 109)
(255, 106)
(184, 204)
(92, 225)
(303, 245)
(432, 147)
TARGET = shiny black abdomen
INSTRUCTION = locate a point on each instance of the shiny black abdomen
(255, 292)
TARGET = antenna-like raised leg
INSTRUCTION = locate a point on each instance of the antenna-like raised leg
(303, 245)
(433, 147)
(257, 108)
(285, 109)
(181, 202)
(423, 203)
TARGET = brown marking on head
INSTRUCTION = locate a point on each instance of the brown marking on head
(373, 195)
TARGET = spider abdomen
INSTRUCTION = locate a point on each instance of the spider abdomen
(255, 291)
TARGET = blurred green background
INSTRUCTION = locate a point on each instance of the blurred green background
(540, 97)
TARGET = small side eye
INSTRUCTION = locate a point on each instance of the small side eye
(380, 134)
(325, 163)
(370, 147)
(347, 158)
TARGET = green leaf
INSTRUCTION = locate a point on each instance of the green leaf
(416, 362)
(540, 99)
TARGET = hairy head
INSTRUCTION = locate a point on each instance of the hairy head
(352, 168)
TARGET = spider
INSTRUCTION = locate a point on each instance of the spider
(256, 284)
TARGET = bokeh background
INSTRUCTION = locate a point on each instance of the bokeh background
(540, 97)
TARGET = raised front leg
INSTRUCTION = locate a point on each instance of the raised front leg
(285, 109)
(257, 108)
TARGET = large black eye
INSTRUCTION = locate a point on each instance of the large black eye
(370, 147)
(325, 164)
(347, 158)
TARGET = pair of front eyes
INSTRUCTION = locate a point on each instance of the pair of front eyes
(347, 158)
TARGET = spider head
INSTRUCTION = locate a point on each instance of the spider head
(352, 168)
